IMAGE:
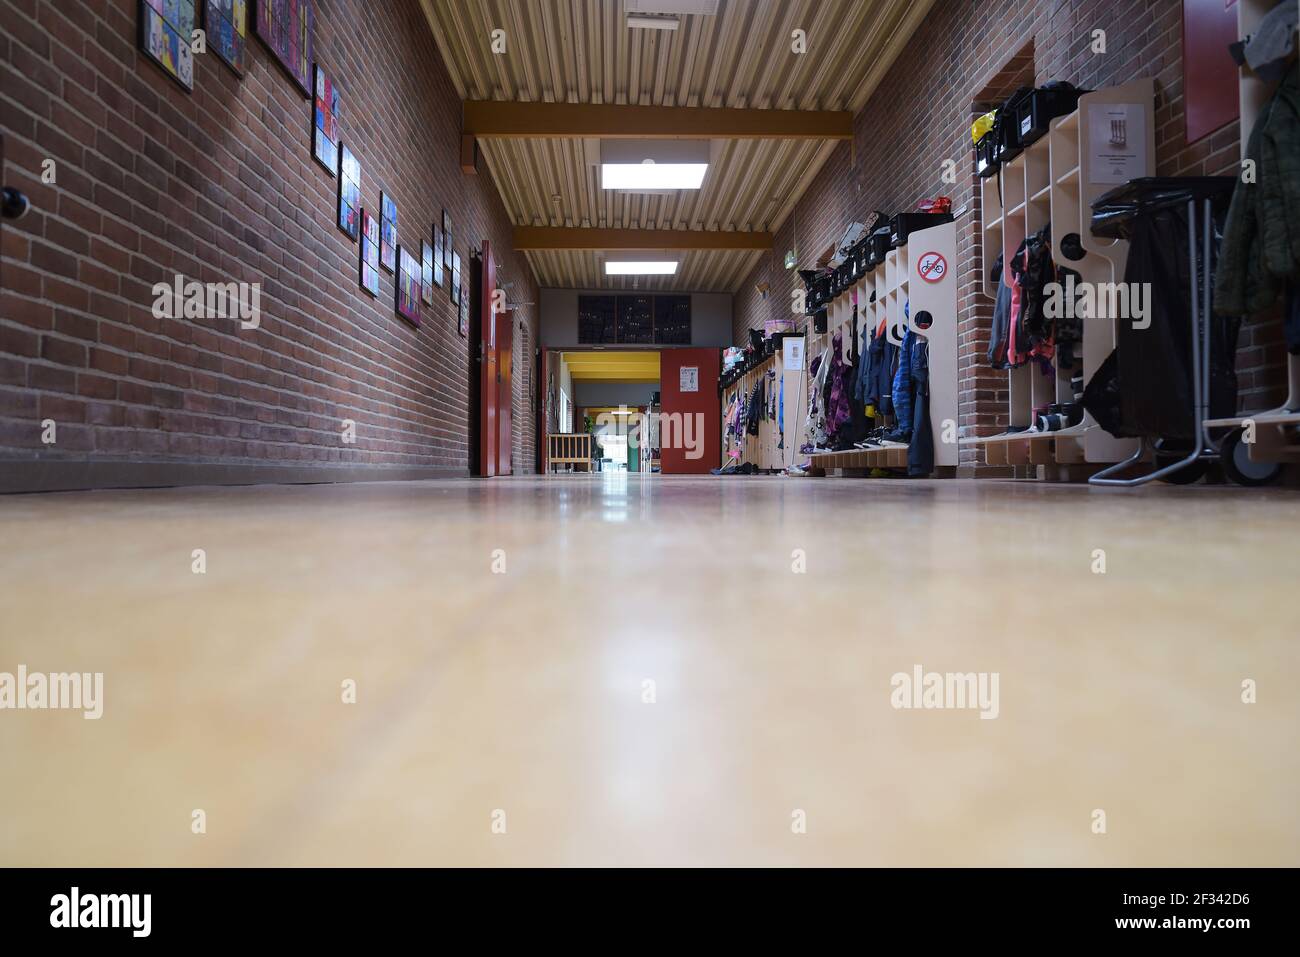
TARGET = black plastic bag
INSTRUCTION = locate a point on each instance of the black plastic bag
(1145, 387)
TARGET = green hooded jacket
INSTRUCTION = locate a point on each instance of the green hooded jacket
(1261, 242)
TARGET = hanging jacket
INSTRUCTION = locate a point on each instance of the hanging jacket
(1261, 241)
(1001, 319)
(860, 389)
(880, 376)
(902, 389)
(920, 451)
(816, 422)
(838, 410)
(755, 410)
(1032, 334)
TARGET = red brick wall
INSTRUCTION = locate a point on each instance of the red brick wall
(920, 116)
(220, 185)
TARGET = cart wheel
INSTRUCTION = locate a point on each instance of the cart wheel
(1189, 475)
(1170, 451)
(1237, 463)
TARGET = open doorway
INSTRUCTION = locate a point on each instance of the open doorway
(602, 401)
(634, 410)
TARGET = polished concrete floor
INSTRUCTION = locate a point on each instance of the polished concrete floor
(502, 636)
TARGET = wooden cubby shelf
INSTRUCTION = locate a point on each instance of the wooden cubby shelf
(1052, 182)
(898, 287)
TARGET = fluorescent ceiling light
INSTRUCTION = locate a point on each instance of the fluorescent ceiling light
(642, 22)
(651, 175)
(641, 268)
(653, 165)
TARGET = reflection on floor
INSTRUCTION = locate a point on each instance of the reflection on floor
(621, 669)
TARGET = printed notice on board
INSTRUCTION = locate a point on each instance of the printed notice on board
(690, 379)
(792, 354)
(1119, 142)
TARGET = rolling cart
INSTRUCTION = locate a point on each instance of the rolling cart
(1204, 198)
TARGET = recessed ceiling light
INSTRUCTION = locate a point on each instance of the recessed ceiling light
(651, 175)
(641, 268)
(650, 165)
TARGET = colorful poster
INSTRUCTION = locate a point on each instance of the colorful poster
(369, 253)
(286, 28)
(349, 192)
(325, 122)
(426, 273)
(227, 24)
(437, 257)
(387, 232)
(408, 286)
(166, 29)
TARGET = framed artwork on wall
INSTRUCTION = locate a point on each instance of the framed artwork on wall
(227, 24)
(369, 253)
(349, 192)
(426, 272)
(455, 278)
(408, 286)
(286, 28)
(166, 27)
(325, 122)
(447, 244)
(387, 232)
(437, 257)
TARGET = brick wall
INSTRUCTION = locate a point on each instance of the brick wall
(920, 116)
(220, 185)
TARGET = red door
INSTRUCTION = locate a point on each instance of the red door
(690, 424)
(488, 397)
(505, 323)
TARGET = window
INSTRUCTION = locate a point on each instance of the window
(596, 319)
(634, 320)
(673, 320)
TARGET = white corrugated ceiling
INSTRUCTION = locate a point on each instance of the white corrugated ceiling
(581, 51)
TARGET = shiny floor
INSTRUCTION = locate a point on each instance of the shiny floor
(613, 670)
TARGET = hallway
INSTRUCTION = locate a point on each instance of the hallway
(501, 637)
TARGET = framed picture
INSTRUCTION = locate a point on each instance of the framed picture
(437, 257)
(349, 192)
(455, 278)
(369, 253)
(387, 232)
(325, 122)
(463, 308)
(447, 245)
(426, 272)
(227, 24)
(408, 286)
(286, 28)
(166, 27)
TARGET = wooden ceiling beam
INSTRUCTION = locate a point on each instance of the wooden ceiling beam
(514, 120)
(636, 240)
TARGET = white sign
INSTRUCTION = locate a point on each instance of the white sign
(690, 379)
(792, 354)
(1118, 135)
